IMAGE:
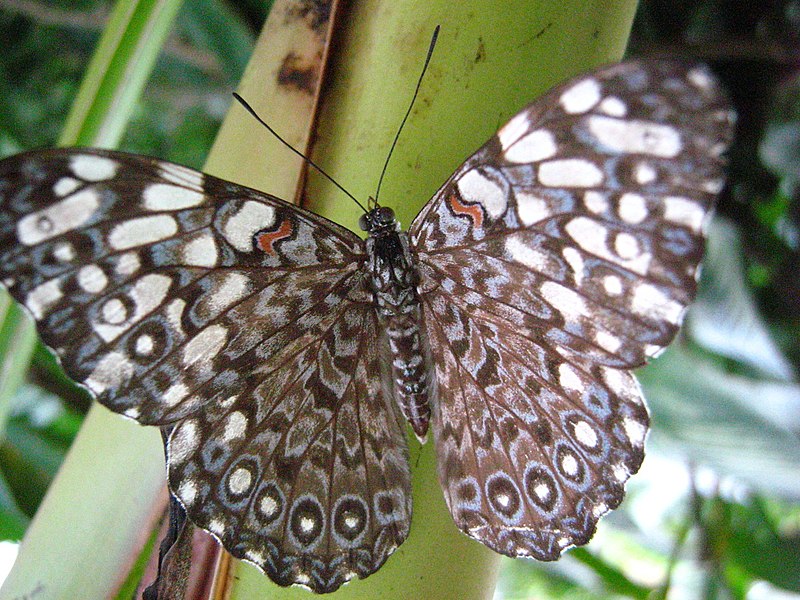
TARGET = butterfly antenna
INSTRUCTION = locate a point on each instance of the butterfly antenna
(249, 109)
(408, 112)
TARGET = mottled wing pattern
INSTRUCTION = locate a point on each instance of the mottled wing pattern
(176, 297)
(558, 257)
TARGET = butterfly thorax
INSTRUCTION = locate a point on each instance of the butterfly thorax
(393, 278)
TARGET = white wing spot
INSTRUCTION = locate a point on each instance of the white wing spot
(535, 146)
(634, 430)
(235, 426)
(644, 173)
(522, 253)
(585, 434)
(201, 251)
(64, 252)
(513, 130)
(240, 481)
(568, 378)
(175, 393)
(187, 491)
(216, 526)
(569, 173)
(93, 168)
(617, 381)
(599, 510)
(613, 285)
(613, 107)
(684, 211)
(232, 289)
(42, 297)
(503, 499)
(268, 506)
(474, 187)
(627, 246)
(65, 186)
(128, 263)
(174, 312)
(570, 465)
(632, 208)
(596, 202)
(205, 345)
(183, 441)
(564, 300)
(241, 226)
(607, 341)
(141, 231)
(144, 345)
(650, 301)
(636, 137)
(713, 186)
(700, 78)
(593, 237)
(114, 311)
(307, 523)
(113, 371)
(58, 218)
(531, 209)
(652, 350)
(542, 491)
(92, 279)
(581, 97)
(621, 472)
(165, 196)
(575, 261)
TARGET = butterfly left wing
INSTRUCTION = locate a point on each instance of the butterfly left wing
(557, 258)
(179, 298)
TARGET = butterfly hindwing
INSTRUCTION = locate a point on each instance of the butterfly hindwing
(176, 297)
(306, 475)
(560, 255)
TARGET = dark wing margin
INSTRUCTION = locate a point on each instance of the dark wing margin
(558, 257)
(179, 298)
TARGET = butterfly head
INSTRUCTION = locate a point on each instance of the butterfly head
(378, 220)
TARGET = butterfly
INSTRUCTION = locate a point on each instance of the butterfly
(288, 353)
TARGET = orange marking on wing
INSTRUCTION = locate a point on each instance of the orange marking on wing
(474, 211)
(266, 241)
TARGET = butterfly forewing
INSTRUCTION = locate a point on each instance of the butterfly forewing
(177, 297)
(560, 255)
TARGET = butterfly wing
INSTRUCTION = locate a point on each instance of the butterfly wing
(176, 297)
(557, 258)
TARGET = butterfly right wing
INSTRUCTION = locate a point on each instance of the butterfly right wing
(176, 297)
(561, 255)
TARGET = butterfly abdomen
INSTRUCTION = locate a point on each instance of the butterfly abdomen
(393, 277)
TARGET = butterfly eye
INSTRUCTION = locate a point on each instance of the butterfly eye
(363, 222)
(384, 215)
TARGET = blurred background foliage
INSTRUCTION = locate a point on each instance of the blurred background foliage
(715, 512)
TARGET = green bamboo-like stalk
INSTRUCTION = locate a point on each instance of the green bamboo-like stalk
(491, 60)
(88, 529)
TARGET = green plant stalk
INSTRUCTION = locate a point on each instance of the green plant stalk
(88, 530)
(491, 60)
(17, 341)
(118, 72)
